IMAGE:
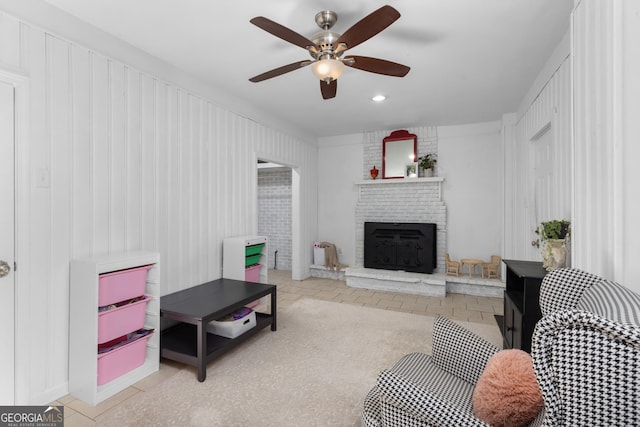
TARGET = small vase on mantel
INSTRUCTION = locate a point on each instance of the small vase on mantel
(373, 172)
(425, 173)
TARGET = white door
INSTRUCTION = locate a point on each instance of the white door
(7, 245)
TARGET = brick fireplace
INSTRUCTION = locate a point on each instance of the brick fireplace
(399, 201)
(402, 201)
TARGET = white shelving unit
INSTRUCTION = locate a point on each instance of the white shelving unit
(234, 257)
(83, 360)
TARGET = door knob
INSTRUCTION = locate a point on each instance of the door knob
(4, 268)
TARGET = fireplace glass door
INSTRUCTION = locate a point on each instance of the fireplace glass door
(400, 246)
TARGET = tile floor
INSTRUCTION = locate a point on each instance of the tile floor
(455, 306)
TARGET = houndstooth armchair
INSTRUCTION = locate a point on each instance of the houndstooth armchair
(586, 357)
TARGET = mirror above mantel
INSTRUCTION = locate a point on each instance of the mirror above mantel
(398, 149)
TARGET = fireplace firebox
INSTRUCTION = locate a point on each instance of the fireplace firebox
(400, 246)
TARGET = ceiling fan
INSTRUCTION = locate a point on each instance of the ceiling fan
(327, 48)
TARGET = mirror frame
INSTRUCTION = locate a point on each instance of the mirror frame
(396, 136)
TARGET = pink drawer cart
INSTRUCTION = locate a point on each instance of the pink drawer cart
(111, 297)
(246, 258)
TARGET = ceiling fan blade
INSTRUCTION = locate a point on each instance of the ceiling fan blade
(279, 71)
(368, 26)
(375, 65)
(328, 90)
(282, 32)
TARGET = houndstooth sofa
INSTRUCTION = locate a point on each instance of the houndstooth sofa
(586, 357)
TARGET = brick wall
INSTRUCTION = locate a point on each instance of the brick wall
(398, 201)
(274, 214)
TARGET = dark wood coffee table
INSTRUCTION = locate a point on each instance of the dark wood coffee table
(188, 341)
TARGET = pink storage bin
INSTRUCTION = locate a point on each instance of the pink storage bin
(121, 360)
(252, 274)
(122, 285)
(120, 321)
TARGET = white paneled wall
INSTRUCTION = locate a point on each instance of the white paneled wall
(594, 103)
(606, 66)
(551, 109)
(594, 39)
(117, 160)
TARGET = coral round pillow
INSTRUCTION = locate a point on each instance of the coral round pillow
(507, 393)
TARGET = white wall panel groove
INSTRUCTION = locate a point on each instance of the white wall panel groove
(121, 160)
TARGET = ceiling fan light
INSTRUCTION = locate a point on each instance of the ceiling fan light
(327, 69)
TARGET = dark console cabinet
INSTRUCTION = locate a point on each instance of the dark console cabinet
(521, 307)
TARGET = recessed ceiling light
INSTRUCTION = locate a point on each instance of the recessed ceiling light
(378, 98)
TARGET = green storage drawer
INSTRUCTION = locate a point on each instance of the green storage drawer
(252, 260)
(254, 249)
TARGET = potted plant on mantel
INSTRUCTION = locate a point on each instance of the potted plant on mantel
(554, 236)
(426, 164)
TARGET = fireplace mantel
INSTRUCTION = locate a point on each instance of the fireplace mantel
(436, 180)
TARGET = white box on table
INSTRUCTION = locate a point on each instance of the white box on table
(232, 328)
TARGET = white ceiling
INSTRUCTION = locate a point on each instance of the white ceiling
(471, 60)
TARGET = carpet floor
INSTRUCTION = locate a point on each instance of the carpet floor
(315, 370)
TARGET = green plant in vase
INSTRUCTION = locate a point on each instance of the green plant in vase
(554, 235)
(426, 163)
